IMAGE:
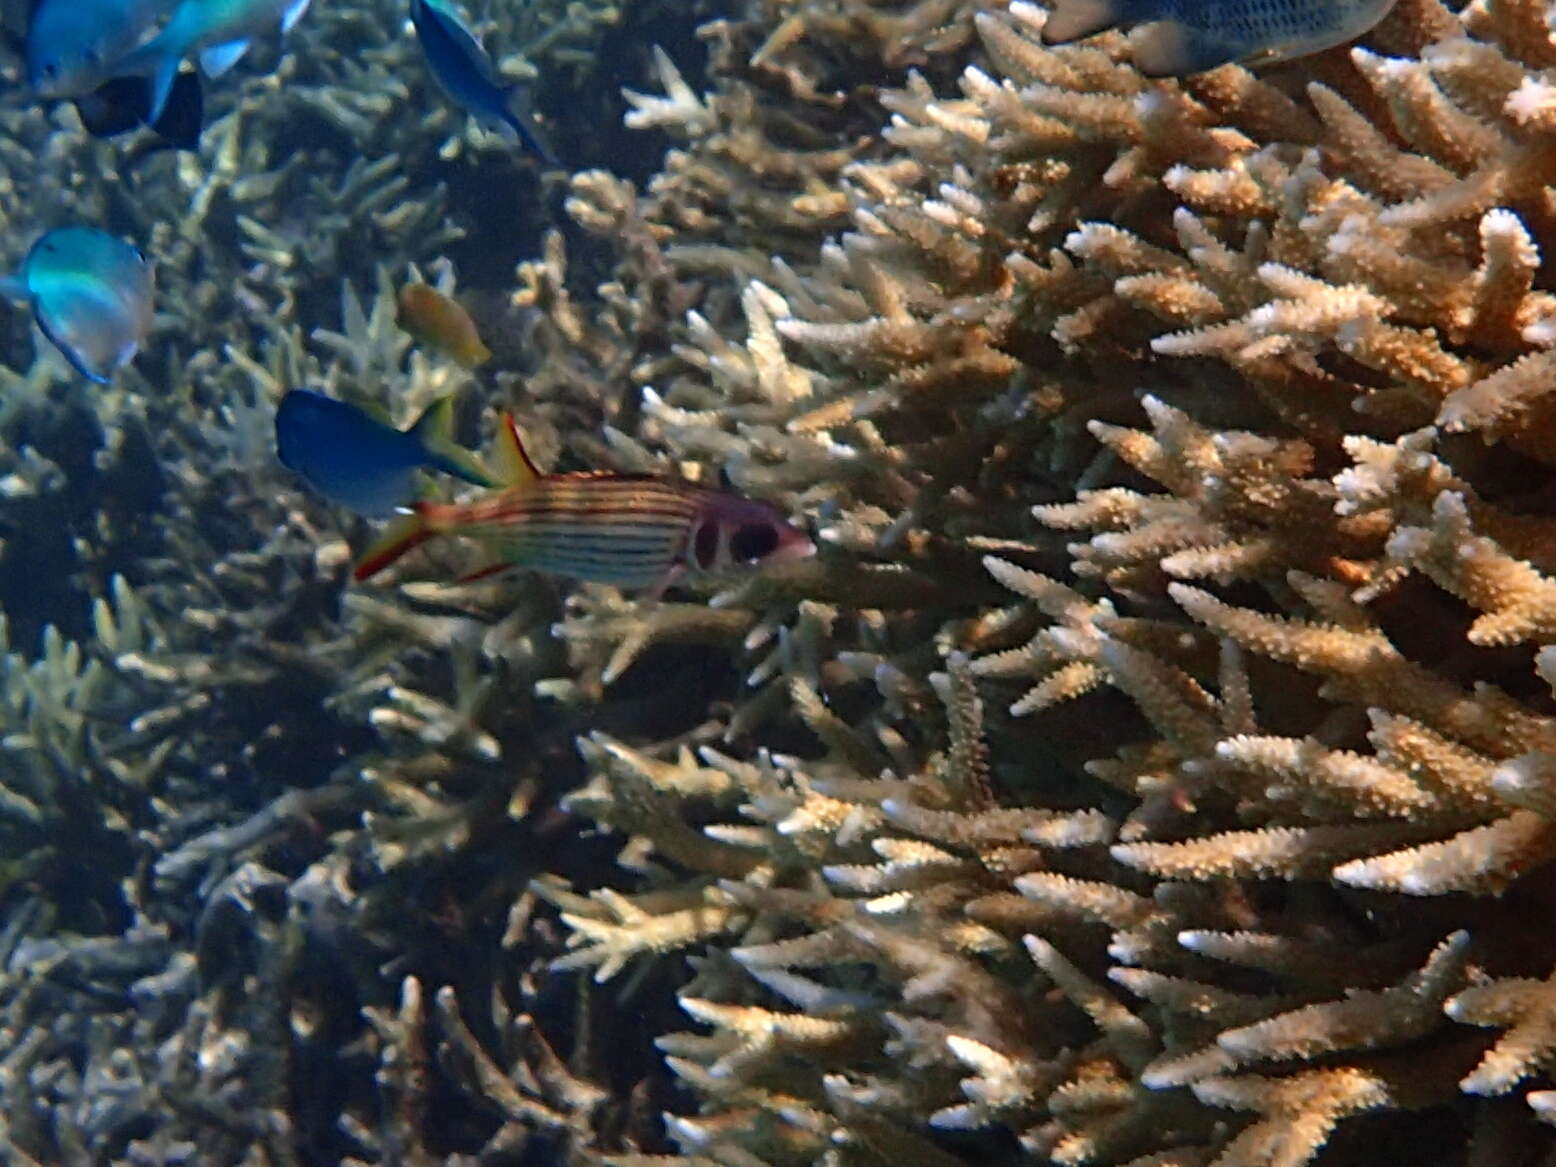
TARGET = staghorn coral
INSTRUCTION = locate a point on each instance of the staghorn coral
(1154, 768)
(1269, 356)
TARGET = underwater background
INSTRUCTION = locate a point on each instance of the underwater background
(1154, 767)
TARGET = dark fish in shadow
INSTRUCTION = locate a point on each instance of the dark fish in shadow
(463, 70)
(124, 104)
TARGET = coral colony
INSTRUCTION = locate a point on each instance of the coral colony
(1154, 766)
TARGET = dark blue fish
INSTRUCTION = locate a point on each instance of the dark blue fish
(124, 103)
(365, 465)
(91, 294)
(464, 72)
(1190, 36)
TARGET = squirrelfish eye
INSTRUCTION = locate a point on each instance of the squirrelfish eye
(705, 546)
(752, 541)
(51, 70)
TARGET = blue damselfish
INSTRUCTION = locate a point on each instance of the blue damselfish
(464, 72)
(364, 464)
(219, 29)
(73, 46)
(91, 294)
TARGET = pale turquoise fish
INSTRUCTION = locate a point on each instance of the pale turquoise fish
(219, 30)
(1190, 36)
(91, 294)
(74, 46)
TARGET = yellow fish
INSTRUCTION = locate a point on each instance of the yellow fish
(438, 322)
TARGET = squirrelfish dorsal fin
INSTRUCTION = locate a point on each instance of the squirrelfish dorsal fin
(511, 464)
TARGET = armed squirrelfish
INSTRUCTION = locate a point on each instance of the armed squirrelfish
(1190, 36)
(366, 465)
(462, 70)
(630, 530)
(91, 294)
(219, 29)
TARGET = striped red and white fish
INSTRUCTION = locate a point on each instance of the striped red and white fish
(636, 531)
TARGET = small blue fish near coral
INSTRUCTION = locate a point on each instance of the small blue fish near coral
(1190, 36)
(464, 72)
(642, 531)
(220, 30)
(73, 46)
(123, 104)
(364, 464)
(91, 294)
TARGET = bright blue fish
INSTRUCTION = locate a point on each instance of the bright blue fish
(73, 46)
(464, 72)
(219, 29)
(91, 294)
(353, 459)
(1190, 36)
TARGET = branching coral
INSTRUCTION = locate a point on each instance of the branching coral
(1155, 766)
(1270, 356)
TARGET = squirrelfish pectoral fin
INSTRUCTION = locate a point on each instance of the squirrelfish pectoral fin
(670, 578)
(512, 464)
(434, 432)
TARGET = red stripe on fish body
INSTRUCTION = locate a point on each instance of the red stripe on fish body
(626, 530)
(630, 530)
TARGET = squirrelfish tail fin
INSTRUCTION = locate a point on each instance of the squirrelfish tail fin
(407, 531)
(513, 467)
(1072, 19)
(434, 432)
